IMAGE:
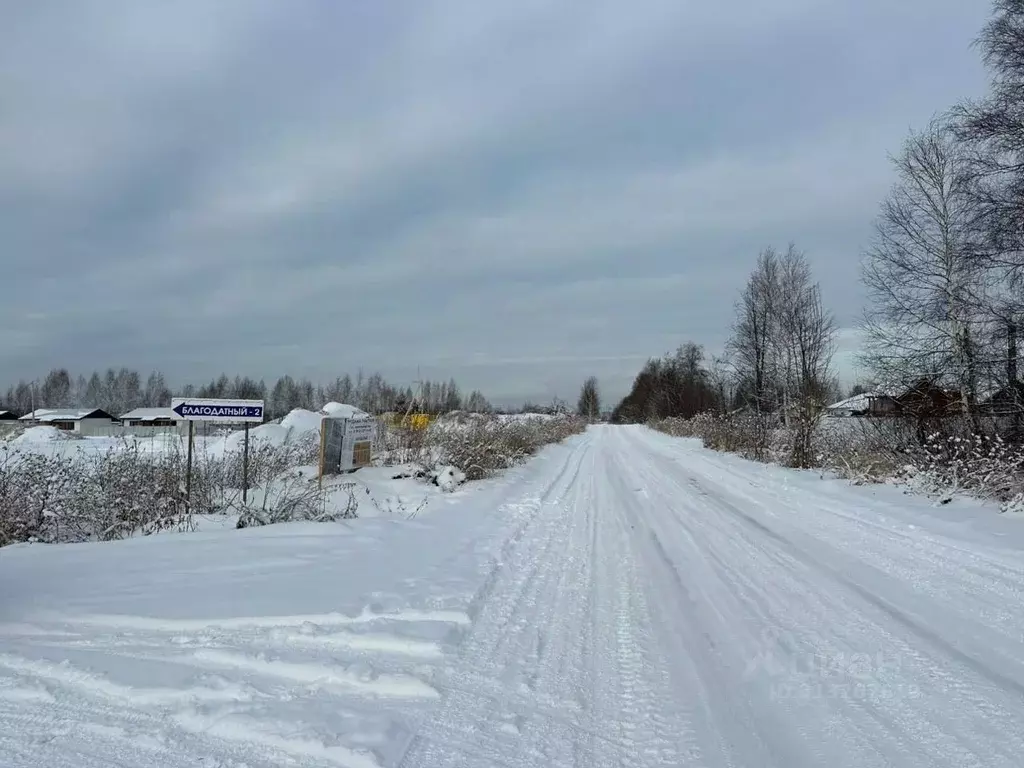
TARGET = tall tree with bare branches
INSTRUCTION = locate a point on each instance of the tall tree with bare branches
(994, 128)
(803, 341)
(923, 274)
(750, 347)
(782, 347)
(589, 405)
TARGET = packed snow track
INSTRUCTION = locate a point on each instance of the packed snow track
(625, 599)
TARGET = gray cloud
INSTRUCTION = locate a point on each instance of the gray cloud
(514, 193)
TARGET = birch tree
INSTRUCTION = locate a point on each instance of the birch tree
(750, 345)
(782, 347)
(923, 276)
(589, 405)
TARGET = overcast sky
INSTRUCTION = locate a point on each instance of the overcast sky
(512, 192)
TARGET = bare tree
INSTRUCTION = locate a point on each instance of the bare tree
(750, 345)
(589, 404)
(803, 340)
(924, 279)
(994, 129)
(722, 382)
(781, 348)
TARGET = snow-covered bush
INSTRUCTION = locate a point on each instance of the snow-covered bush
(62, 498)
(53, 496)
(751, 435)
(480, 446)
(267, 460)
(862, 450)
(292, 496)
(982, 465)
(477, 445)
(128, 491)
(35, 490)
(865, 450)
(396, 443)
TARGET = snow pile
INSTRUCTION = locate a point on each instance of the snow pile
(42, 435)
(300, 420)
(297, 425)
(343, 410)
(448, 478)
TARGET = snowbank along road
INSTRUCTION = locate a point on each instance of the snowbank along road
(625, 599)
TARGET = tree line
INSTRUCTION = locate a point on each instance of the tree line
(945, 272)
(777, 362)
(944, 280)
(120, 391)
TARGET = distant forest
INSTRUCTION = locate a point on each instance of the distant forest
(119, 391)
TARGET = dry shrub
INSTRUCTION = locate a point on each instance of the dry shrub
(951, 459)
(985, 466)
(751, 435)
(290, 497)
(477, 444)
(127, 491)
(63, 498)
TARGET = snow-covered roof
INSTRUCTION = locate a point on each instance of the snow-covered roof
(65, 414)
(855, 403)
(6, 415)
(343, 411)
(150, 414)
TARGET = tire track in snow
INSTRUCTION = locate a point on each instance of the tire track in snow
(520, 669)
(576, 677)
(932, 708)
(211, 714)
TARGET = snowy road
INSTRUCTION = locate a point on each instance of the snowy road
(626, 599)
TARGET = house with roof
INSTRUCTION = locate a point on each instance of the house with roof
(8, 422)
(1006, 401)
(81, 421)
(152, 421)
(858, 405)
(926, 399)
(922, 399)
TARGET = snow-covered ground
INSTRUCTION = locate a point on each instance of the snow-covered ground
(298, 424)
(373, 491)
(624, 599)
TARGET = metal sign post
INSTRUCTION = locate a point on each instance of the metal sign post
(323, 454)
(188, 471)
(194, 409)
(245, 467)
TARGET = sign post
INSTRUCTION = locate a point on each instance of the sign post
(323, 454)
(245, 467)
(188, 472)
(194, 409)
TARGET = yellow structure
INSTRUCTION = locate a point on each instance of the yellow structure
(414, 421)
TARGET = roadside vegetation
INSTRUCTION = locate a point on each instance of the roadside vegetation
(53, 492)
(943, 405)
